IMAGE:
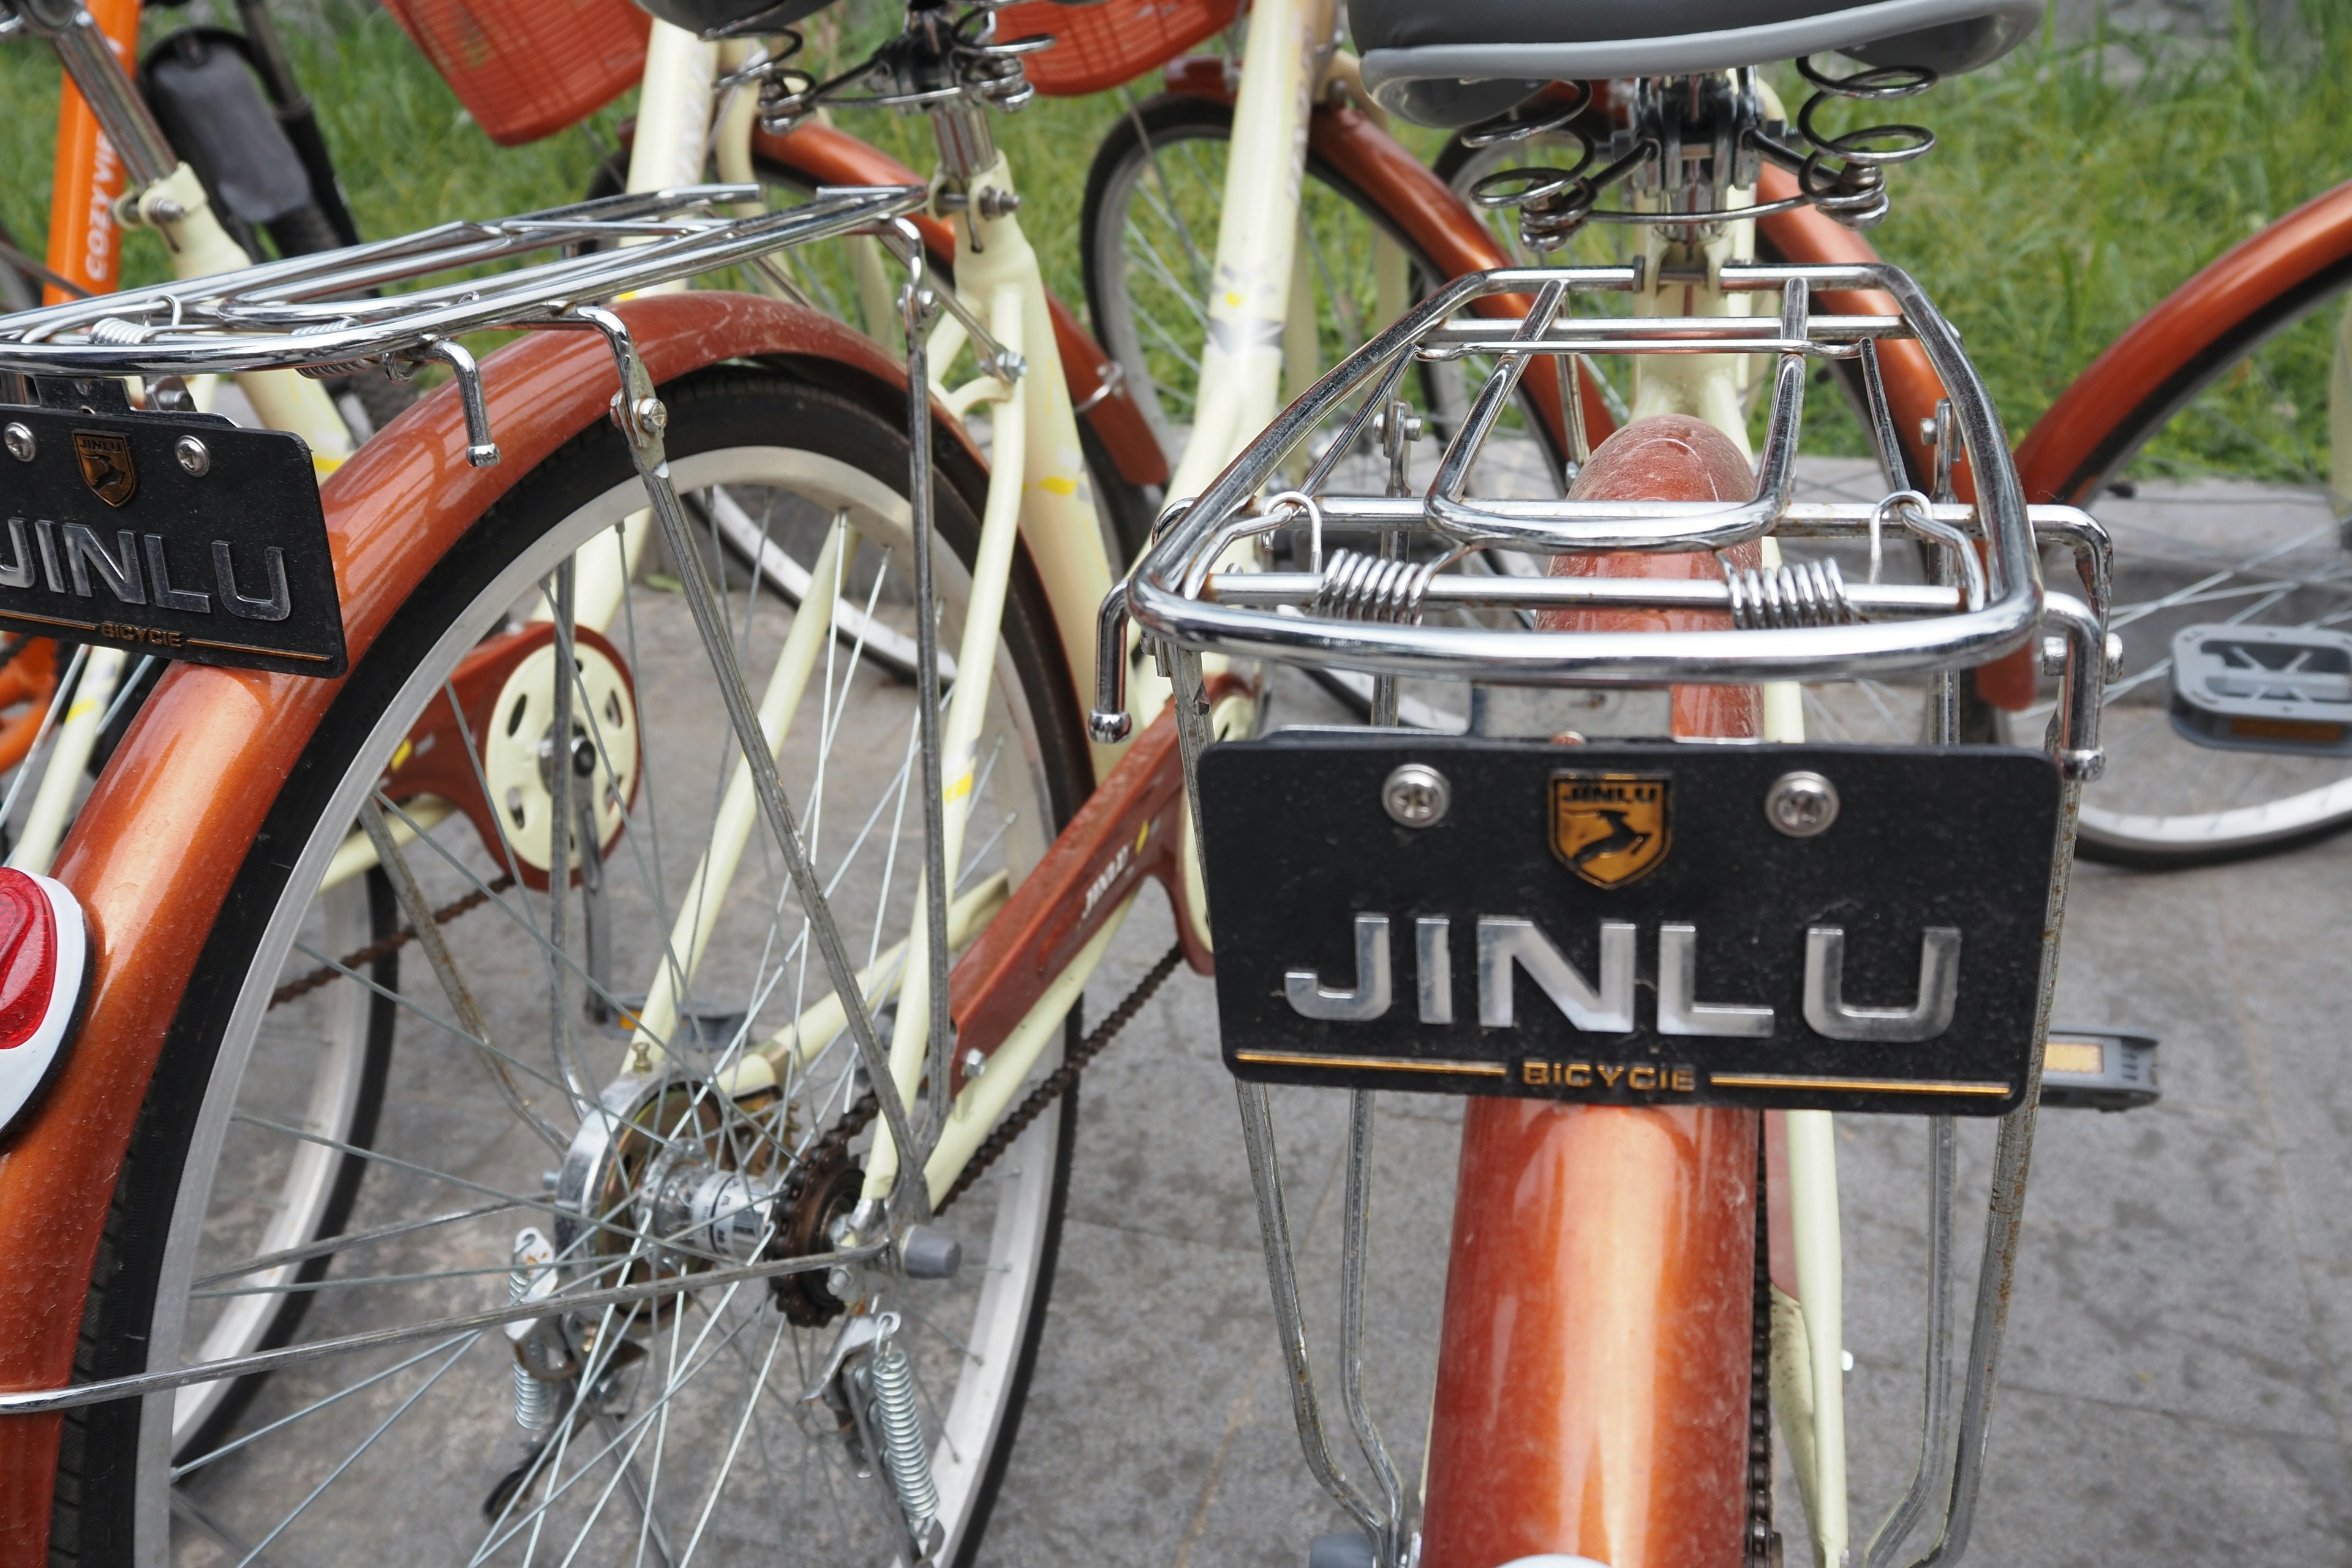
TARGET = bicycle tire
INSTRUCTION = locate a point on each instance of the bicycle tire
(107, 1478)
(2234, 431)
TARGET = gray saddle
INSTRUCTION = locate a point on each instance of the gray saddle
(1458, 61)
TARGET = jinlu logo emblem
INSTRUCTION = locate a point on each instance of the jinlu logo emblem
(1610, 828)
(106, 465)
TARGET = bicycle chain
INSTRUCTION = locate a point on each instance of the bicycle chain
(1062, 1078)
(360, 958)
(1763, 1547)
(835, 1141)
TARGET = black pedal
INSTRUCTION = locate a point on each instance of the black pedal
(2264, 689)
(2099, 1069)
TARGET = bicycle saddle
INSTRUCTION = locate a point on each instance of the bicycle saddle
(1467, 60)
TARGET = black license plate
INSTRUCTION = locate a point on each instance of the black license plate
(1625, 923)
(181, 536)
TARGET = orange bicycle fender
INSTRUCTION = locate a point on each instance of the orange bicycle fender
(170, 822)
(836, 158)
(1593, 1367)
(2162, 358)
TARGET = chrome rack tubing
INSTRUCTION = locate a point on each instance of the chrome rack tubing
(2094, 551)
(1290, 1325)
(1108, 720)
(455, 244)
(1943, 1184)
(1445, 508)
(919, 307)
(1935, 1397)
(1193, 737)
(1690, 526)
(2074, 743)
(643, 419)
(537, 294)
(1387, 1543)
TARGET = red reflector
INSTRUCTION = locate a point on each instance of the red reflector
(44, 969)
(28, 958)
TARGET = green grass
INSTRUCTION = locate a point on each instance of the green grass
(2073, 188)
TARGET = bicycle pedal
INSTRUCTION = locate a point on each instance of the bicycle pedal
(2264, 689)
(2099, 1069)
(1348, 1550)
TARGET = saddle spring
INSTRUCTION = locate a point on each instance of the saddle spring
(1796, 593)
(1854, 194)
(1723, 119)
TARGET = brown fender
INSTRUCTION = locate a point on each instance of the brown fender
(1593, 1368)
(1911, 386)
(2164, 359)
(835, 158)
(169, 823)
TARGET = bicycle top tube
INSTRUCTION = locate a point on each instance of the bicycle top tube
(315, 312)
(1358, 611)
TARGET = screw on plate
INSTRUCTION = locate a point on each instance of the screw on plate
(1801, 805)
(20, 443)
(975, 1062)
(1416, 795)
(193, 456)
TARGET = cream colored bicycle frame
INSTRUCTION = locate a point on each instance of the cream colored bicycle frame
(1039, 494)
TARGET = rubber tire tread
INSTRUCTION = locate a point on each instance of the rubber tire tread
(92, 1518)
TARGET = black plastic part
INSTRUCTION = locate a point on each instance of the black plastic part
(202, 87)
(108, 499)
(1298, 844)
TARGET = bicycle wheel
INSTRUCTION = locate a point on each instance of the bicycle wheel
(2226, 493)
(680, 1428)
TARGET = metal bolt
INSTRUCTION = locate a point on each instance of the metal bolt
(996, 204)
(652, 417)
(1926, 431)
(1801, 805)
(975, 1062)
(192, 455)
(20, 443)
(841, 1284)
(1416, 795)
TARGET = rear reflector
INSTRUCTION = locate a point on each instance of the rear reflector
(44, 966)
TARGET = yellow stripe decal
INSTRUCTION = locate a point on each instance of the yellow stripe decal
(1375, 1064)
(1857, 1085)
(960, 787)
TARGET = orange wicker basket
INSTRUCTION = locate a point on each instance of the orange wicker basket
(527, 68)
(1103, 43)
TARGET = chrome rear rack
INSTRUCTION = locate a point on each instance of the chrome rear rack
(319, 314)
(1370, 608)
